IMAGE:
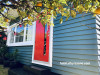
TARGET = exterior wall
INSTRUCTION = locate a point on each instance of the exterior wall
(25, 53)
(75, 41)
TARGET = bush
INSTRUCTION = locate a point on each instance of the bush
(11, 60)
(3, 47)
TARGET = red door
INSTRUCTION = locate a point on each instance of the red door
(41, 52)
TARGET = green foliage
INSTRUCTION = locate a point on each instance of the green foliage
(15, 55)
(40, 9)
(3, 51)
(3, 47)
(2, 22)
(14, 21)
(12, 56)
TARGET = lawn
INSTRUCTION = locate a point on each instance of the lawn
(3, 71)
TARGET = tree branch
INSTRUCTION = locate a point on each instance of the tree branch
(15, 2)
(12, 6)
(3, 15)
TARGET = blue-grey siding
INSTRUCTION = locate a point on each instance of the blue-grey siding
(75, 40)
(25, 53)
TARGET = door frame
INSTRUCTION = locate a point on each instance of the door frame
(49, 64)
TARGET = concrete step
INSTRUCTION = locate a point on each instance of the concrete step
(19, 71)
(30, 70)
(37, 70)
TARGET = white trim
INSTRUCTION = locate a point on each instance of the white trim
(51, 43)
(33, 45)
(15, 35)
(34, 33)
(98, 41)
(24, 43)
(24, 34)
(8, 36)
(49, 64)
(20, 44)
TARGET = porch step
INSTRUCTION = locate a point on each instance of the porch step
(37, 70)
(30, 70)
(19, 71)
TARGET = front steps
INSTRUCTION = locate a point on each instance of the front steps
(18, 71)
(37, 70)
(30, 70)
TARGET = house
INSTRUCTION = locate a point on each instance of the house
(70, 48)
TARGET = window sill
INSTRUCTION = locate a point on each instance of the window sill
(20, 44)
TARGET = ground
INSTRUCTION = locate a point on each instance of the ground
(3, 71)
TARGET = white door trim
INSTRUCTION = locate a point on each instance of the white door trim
(49, 64)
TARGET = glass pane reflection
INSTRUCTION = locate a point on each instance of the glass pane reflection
(29, 32)
(19, 33)
(12, 35)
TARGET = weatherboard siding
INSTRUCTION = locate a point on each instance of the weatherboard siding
(25, 53)
(75, 40)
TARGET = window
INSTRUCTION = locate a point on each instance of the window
(19, 35)
(12, 35)
(28, 33)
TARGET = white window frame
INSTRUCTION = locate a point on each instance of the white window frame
(24, 43)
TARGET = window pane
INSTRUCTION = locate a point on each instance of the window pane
(19, 34)
(29, 32)
(12, 35)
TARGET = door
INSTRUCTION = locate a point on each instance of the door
(42, 48)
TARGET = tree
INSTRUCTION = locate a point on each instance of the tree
(42, 10)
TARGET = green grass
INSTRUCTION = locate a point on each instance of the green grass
(3, 71)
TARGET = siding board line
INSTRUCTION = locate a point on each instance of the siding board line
(72, 49)
(76, 53)
(78, 68)
(78, 16)
(76, 40)
(75, 58)
(72, 27)
(77, 35)
(66, 72)
(73, 31)
(72, 23)
(70, 18)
